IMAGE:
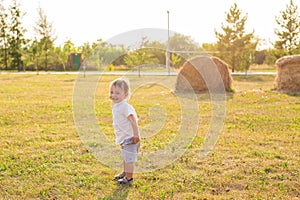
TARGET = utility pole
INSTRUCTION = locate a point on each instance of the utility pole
(168, 48)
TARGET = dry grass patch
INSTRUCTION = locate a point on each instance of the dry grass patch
(41, 156)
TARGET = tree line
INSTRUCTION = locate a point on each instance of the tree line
(234, 46)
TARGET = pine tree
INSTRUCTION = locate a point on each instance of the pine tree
(234, 45)
(288, 31)
(16, 38)
(45, 30)
(4, 36)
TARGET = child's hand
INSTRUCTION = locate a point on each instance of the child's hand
(135, 140)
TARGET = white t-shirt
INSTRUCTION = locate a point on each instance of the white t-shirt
(121, 123)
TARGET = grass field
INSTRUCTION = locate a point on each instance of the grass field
(263, 68)
(257, 155)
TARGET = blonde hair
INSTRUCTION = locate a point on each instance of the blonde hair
(122, 84)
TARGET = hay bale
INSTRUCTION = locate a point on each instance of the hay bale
(201, 74)
(288, 74)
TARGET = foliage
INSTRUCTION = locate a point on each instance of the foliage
(63, 53)
(111, 67)
(45, 30)
(175, 60)
(157, 51)
(4, 37)
(184, 46)
(86, 49)
(234, 45)
(101, 54)
(210, 48)
(139, 57)
(16, 36)
(260, 57)
(288, 31)
(135, 59)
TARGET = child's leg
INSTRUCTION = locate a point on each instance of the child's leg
(129, 153)
(129, 168)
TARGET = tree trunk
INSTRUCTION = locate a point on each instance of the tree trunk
(46, 62)
(5, 58)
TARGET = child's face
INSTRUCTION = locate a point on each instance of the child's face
(117, 94)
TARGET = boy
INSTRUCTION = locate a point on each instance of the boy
(125, 128)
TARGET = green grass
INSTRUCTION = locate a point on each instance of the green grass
(257, 155)
(262, 68)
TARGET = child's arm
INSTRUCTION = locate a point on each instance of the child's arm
(135, 128)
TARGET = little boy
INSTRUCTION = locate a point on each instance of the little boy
(125, 128)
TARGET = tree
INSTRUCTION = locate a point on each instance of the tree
(184, 45)
(146, 53)
(157, 52)
(234, 45)
(34, 49)
(104, 53)
(45, 30)
(16, 39)
(86, 49)
(136, 58)
(288, 32)
(3, 35)
(68, 48)
(175, 60)
(210, 48)
(260, 56)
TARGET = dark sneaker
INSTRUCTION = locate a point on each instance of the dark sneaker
(125, 181)
(119, 176)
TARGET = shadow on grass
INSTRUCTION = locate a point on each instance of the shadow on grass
(120, 193)
(16, 77)
(251, 78)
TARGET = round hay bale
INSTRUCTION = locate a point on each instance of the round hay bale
(196, 73)
(288, 74)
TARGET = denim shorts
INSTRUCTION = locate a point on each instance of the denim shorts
(130, 152)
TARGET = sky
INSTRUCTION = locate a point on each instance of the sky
(90, 20)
